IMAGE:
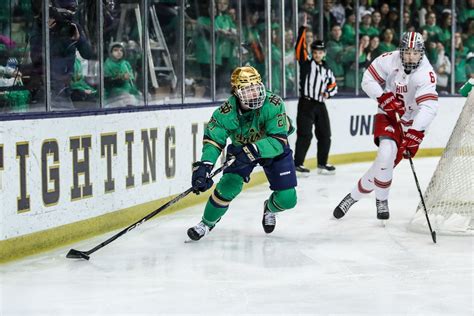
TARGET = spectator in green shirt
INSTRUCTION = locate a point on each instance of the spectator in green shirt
(430, 47)
(460, 56)
(80, 89)
(428, 7)
(334, 51)
(468, 36)
(387, 42)
(433, 30)
(377, 21)
(445, 35)
(366, 27)
(120, 88)
(384, 10)
(226, 43)
(349, 60)
(276, 59)
(466, 13)
(202, 40)
(348, 31)
(253, 43)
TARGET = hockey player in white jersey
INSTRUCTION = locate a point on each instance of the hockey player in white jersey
(404, 85)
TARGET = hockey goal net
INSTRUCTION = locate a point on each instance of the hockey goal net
(449, 197)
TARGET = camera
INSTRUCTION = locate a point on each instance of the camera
(62, 15)
(64, 18)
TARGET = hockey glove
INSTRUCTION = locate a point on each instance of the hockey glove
(410, 143)
(391, 105)
(244, 155)
(200, 179)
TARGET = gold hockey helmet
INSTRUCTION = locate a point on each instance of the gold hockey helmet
(244, 76)
(248, 87)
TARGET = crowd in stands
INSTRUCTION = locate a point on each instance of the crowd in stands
(73, 52)
(21, 56)
(379, 32)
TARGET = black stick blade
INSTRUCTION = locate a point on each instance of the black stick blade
(433, 235)
(76, 254)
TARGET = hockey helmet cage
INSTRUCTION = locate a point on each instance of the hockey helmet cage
(411, 41)
(248, 87)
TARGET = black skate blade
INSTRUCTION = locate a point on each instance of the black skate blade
(76, 254)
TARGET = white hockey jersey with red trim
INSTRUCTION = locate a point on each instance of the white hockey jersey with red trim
(417, 90)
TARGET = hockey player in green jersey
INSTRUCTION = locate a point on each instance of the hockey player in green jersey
(257, 125)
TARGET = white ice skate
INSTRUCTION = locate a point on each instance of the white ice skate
(198, 231)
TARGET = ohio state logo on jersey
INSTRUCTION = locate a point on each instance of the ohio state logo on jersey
(402, 88)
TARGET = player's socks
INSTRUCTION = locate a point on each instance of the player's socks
(383, 168)
(344, 206)
(382, 209)
(269, 219)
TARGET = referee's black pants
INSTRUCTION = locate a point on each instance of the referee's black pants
(312, 112)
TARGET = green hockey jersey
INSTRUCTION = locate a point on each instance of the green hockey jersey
(267, 127)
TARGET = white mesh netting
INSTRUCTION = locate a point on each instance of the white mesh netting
(449, 197)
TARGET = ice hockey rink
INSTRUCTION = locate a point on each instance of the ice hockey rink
(312, 264)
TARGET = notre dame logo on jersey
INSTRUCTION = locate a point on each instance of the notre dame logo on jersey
(225, 108)
(274, 99)
(251, 136)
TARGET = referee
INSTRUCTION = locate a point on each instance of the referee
(317, 83)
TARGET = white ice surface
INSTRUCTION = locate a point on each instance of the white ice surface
(311, 264)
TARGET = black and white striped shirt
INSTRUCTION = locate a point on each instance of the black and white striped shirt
(316, 80)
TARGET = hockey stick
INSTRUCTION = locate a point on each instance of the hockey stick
(76, 254)
(433, 233)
